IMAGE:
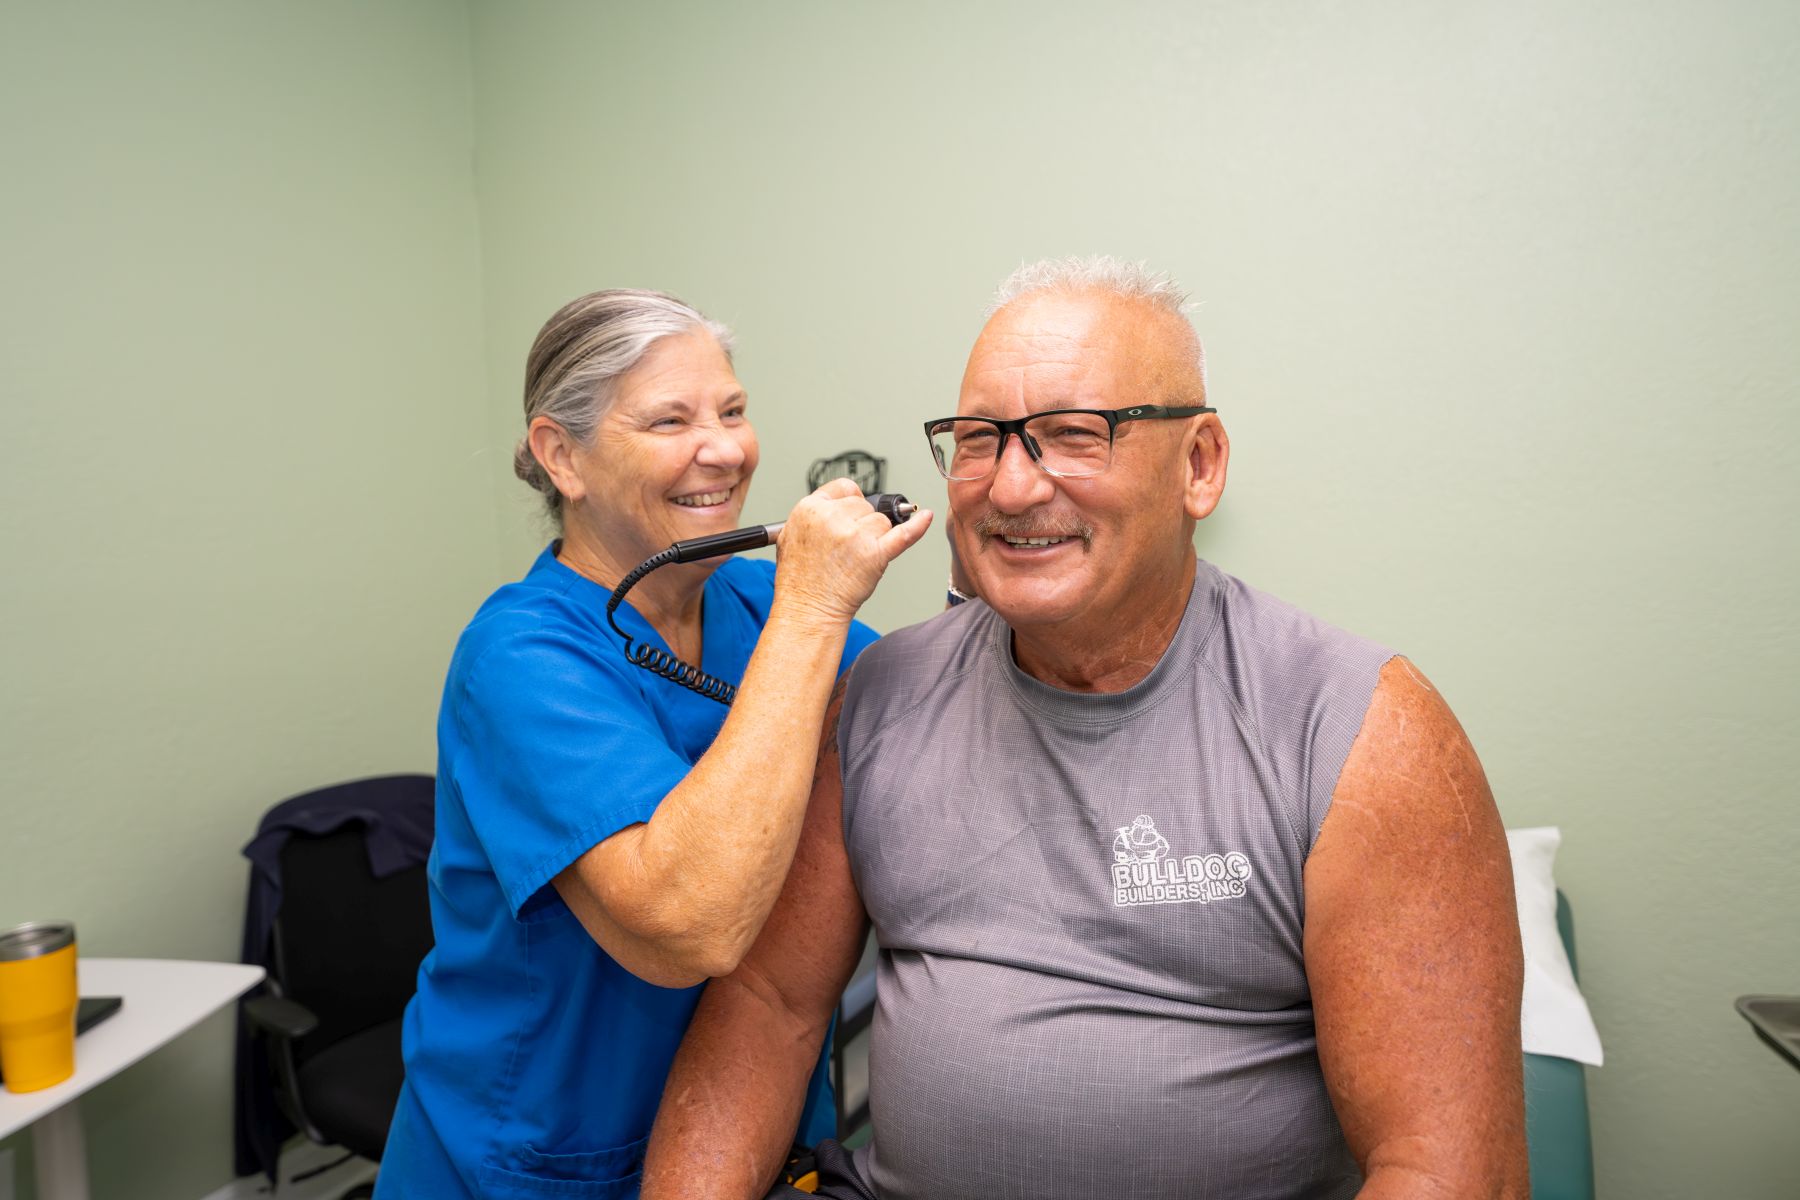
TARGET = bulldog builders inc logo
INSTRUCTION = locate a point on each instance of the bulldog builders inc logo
(1143, 872)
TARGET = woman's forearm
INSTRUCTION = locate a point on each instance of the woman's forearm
(682, 897)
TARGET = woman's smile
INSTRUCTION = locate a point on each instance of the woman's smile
(716, 499)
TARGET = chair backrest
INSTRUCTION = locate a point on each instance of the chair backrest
(347, 945)
(1556, 1108)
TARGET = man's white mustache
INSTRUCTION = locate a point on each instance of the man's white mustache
(997, 524)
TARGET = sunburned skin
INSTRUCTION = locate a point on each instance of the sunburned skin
(1414, 672)
(1408, 715)
(1409, 901)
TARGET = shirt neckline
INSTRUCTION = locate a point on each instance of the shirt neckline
(1111, 708)
(552, 570)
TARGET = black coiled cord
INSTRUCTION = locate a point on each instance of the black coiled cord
(895, 507)
(661, 662)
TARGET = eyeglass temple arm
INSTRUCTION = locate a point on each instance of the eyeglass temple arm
(1150, 412)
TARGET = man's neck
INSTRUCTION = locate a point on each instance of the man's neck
(1108, 652)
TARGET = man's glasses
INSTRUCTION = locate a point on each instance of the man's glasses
(1069, 443)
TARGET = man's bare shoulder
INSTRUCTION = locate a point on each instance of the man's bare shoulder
(1411, 746)
(1412, 809)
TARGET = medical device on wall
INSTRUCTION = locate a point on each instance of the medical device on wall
(896, 508)
(867, 471)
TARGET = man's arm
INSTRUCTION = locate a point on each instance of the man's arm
(1412, 952)
(733, 1099)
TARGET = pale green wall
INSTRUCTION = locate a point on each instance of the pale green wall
(243, 502)
(1499, 304)
(1501, 301)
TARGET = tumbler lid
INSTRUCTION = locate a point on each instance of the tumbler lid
(35, 939)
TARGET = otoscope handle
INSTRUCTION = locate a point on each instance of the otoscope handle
(892, 505)
(713, 545)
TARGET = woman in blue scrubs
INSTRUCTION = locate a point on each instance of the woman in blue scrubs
(606, 839)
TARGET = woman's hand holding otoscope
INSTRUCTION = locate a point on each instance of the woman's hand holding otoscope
(836, 543)
(830, 554)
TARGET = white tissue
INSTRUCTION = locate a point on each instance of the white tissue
(1555, 1019)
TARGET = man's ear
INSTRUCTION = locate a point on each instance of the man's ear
(1208, 452)
(555, 450)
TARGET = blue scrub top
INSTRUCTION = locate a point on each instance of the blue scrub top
(534, 1062)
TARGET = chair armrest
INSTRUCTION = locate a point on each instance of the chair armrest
(280, 1016)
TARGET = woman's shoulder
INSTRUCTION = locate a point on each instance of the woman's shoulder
(531, 603)
(533, 626)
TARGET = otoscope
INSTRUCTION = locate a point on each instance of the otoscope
(895, 507)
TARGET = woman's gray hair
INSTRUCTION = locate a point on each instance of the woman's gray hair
(1102, 273)
(581, 353)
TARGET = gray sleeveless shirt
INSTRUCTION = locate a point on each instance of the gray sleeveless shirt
(1089, 908)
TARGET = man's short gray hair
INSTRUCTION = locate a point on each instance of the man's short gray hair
(581, 353)
(1102, 273)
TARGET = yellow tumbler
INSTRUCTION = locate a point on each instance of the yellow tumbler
(38, 997)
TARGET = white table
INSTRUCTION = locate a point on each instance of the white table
(164, 998)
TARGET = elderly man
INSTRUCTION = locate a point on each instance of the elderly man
(1178, 890)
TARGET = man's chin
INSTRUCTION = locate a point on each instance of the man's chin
(1025, 606)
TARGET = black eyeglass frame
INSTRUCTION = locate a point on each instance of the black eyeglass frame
(1114, 418)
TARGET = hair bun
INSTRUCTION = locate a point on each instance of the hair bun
(528, 468)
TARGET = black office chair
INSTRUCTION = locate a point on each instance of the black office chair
(344, 958)
(856, 1013)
